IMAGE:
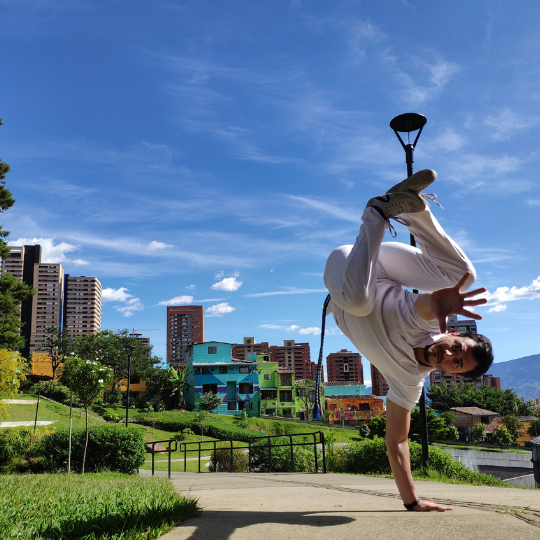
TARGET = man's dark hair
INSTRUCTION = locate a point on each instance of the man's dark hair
(482, 353)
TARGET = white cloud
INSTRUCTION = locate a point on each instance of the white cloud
(51, 252)
(191, 287)
(533, 202)
(177, 301)
(290, 291)
(509, 294)
(130, 307)
(227, 284)
(115, 295)
(291, 328)
(219, 310)
(153, 246)
(507, 122)
(498, 308)
(311, 330)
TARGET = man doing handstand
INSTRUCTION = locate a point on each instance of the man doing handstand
(401, 333)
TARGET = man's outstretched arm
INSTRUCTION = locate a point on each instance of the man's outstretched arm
(398, 421)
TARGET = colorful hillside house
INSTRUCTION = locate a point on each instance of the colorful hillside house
(277, 387)
(212, 368)
(352, 408)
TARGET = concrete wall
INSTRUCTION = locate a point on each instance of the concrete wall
(472, 458)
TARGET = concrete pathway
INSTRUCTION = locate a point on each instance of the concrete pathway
(334, 507)
(27, 423)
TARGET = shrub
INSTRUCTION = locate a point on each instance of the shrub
(113, 448)
(15, 443)
(53, 390)
(221, 460)
(303, 457)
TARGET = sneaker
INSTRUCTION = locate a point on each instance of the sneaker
(393, 204)
(417, 182)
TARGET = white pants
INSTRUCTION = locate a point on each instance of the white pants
(352, 272)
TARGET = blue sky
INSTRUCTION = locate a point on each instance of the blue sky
(216, 152)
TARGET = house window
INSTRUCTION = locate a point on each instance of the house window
(268, 394)
(212, 350)
(267, 376)
(222, 370)
(209, 388)
(245, 388)
(285, 396)
(345, 368)
(332, 407)
(231, 405)
(484, 420)
(243, 369)
(312, 396)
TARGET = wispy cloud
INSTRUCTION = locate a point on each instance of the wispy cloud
(533, 202)
(289, 291)
(177, 301)
(130, 307)
(506, 123)
(497, 309)
(288, 329)
(327, 208)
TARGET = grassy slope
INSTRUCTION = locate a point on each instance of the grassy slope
(104, 505)
(48, 410)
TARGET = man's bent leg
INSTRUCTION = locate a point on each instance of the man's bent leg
(437, 262)
(351, 271)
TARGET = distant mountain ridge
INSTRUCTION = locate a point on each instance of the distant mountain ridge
(522, 374)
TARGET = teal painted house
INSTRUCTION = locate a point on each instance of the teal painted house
(211, 368)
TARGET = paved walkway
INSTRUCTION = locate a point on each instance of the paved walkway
(334, 507)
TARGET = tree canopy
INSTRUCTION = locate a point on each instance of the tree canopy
(12, 291)
(503, 402)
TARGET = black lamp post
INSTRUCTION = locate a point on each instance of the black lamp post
(128, 348)
(406, 123)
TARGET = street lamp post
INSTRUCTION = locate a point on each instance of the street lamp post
(406, 123)
(129, 348)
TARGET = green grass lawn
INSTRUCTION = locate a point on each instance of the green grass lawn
(48, 410)
(90, 506)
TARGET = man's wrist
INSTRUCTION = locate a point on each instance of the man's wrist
(410, 506)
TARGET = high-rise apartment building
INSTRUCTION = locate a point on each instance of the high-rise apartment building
(379, 386)
(61, 301)
(292, 355)
(185, 326)
(462, 326)
(344, 366)
(82, 305)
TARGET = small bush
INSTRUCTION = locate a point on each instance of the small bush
(303, 457)
(15, 443)
(221, 460)
(113, 448)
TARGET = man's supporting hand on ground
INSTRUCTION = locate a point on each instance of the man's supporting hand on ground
(398, 420)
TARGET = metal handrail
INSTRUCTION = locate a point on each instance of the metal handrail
(316, 435)
(169, 451)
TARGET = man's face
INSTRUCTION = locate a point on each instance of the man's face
(451, 354)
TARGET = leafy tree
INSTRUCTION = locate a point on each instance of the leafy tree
(377, 426)
(12, 372)
(88, 379)
(439, 428)
(303, 390)
(200, 419)
(534, 428)
(58, 345)
(479, 432)
(113, 350)
(170, 384)
(12, 291)
(502, 436)
(209, 401)
(446, 396)
(513, 425)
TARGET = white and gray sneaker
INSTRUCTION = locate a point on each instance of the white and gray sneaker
(400, 202)
(417, 182)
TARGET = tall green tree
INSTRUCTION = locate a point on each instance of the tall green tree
(303, 390)
(12, 291)
(88, 380)
(170, 384)
(12, 372)
(114, 349)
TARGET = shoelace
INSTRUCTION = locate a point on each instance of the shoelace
(431, 197)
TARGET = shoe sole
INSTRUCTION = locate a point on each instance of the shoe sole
(410, 204)
(417, 182)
